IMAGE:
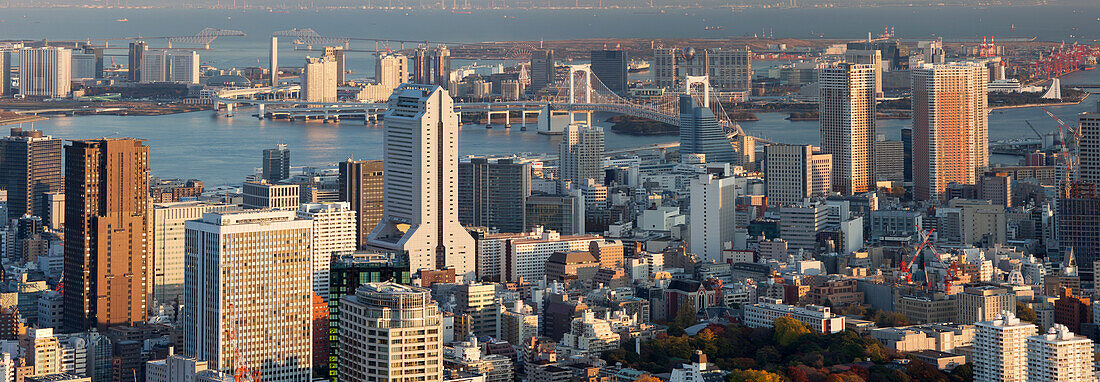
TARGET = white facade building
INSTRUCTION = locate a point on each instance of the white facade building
(820, 319)
(713, 215)
(45, 72)
(176, 66)
(318, 80)
(526, 257)
(334, 230)
(168, 245)
(420, 190)
(581, 154)
(1059, 356)
(174, 369)
(383, 320)
(250, 272)
(846, 99)
(1000, 349)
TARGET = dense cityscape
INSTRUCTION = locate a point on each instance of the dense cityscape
(560, 210)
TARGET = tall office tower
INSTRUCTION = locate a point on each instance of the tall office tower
(276, 165)
(730, 69)
(713, 215)
(610, 66)
(581, 154)
(30, 167)
(1000, 350)
(1077, 219)
(266, 195)
(248, 272)
(175, 66)
(361, 186)
(403, 320)
(868, 57)
(106, 224)
(1088, 168)
(433, 66)
(950, 126)
(793, 173)
(333, 232)
(318, 80)
(391, 69)
(336, 53)
(45, 72)
(137, 55)
(167, 246)
(478, 301)
(83, 66)
(273, 55)
(349, 271)
(846, 102)
(492, 192)
(907, 152)
(5, 72)
(700, 133)
(421, 165)
(889, 163)
(1059, 356)
(543, 69)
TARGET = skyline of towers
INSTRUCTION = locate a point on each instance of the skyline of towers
(846, 104)
(30, 167)
(106, 216)
(950, 126)
(249, 274)
(432, 66)
(420, 214)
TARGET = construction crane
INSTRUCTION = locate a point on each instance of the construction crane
(1033, 129)
(951, 275)
(906, 265)
(1070, 157)
(240, 372)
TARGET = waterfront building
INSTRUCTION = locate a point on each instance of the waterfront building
(391, 69)
(136, 55)
(30, 168)
(950, 126)
(543, 69)
(45, 72)
(175, 66)
(727, 69)
(610, 66)
(276, 164)
(700, 133)
(250, 272)
(318, 80)
(432, 66)
(846, 102)
(106, 224)
(421, 163)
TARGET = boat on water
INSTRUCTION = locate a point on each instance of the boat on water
(1089, 67)
(715, 28)
(122, 20)
(462, 12)
(637, 66)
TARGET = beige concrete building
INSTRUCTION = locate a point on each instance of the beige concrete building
(846, 99)
(333, 232)
(318, 79)
(983, 303)
(1060, 356)
(1000, 350)
(167, 243)
(390, 332)
(267, 195)
(794, 172)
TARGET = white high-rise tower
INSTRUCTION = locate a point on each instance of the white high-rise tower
(420, 185)
(1000, 349)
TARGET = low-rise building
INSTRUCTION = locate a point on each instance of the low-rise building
(819, 319)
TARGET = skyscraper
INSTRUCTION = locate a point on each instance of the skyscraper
(869, 57)
(713, 215)
(30, 167)
(1000, 351)
(950, 126)
(542, 68)
(170, 66)
(348, 272)
(907, 152)
(106, 252)
(391, 69)
(137, 55)
(336, 53)
(700, 133)
(167, 246)
(361, 185)
(1088, 169)
(433, 66)
(391, 315)
(276, 165)
(318, 79)
(5, 72)
(581, 154)
(493, 193)
(249, 273)
(846, 99)
(794, 172)
(45, 72)
(333, 232)
(420, 195)
(610, 66)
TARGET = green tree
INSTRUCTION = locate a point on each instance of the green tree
(1025, 313)
(788, 330)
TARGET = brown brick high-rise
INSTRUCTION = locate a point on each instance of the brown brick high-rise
(361, 185)
(106, 204)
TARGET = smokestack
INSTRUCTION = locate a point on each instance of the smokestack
(274, 53)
